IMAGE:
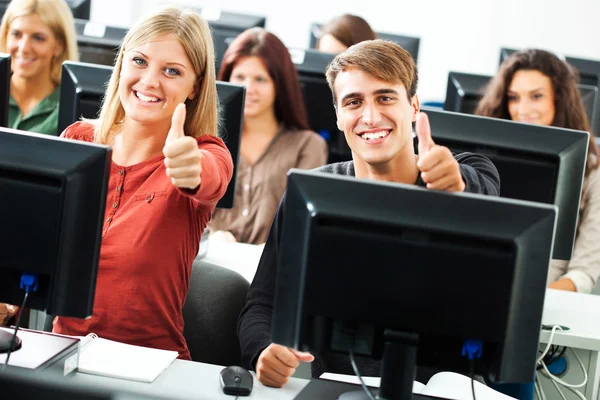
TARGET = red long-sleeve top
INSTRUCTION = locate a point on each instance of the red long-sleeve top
(150, 238)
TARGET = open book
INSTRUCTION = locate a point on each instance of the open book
(448, 385)
(104, 357)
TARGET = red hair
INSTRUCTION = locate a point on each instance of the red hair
(289, 104)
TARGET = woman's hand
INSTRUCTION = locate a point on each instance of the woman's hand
(183, 158)
(563, 284)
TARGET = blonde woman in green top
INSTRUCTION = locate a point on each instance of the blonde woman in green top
(39, 35)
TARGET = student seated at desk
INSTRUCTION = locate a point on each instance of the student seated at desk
(374, 86)
(39, 35)
(535, 86)
(168, 171)
(342, 32)
(275, 134)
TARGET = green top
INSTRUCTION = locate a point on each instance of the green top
(42, 119)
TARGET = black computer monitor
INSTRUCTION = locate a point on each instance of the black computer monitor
(409, 43)
(589, 95)
(55, 191)
(226, 26)
(3, 6)
(83, 87)
(5, 72)
(464, 91)
(425, 272)
(589, 74)
(311, 66)
(536, 163)
(33, 385)
(79, 8)
(231, 98)
(81, 91)
(98, 43)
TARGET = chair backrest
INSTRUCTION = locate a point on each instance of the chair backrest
(214, 301)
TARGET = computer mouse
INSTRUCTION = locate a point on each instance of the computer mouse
(236, 381)
(6, 340)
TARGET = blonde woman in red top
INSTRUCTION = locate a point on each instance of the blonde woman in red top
(168, 171)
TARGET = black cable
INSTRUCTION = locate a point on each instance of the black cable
(558, 357)
(552, 351)
(561, 354)
(551, 360)
(472, 368)
(362, 383)
(14, 336)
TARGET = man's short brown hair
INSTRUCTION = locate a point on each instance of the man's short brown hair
(381, 59)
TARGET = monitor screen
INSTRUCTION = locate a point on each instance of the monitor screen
(226, 26)
(464, 91)
(409, 43)
(5, 72)
(589, 74)
(311, 66)
(589, 95)
(79, 8)
(81, 91)
(535, 163)
(222, 38)
(231, 99)
(55, 190)
(394, 290)
(97, 42)
(3, 6)
(83, 86)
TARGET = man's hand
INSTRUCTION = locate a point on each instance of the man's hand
(7, 311)
(439, 169)
(183, 159)
(277, 363)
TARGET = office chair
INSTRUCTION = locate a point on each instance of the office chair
(215, 299)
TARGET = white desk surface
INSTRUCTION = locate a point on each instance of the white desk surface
(242, 258)
(580, 312)
(191, 380)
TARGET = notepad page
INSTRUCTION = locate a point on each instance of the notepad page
(372, 381)
(451, 385)
(119, 360)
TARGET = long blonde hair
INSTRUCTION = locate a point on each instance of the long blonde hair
(57, 15)
(195, 36)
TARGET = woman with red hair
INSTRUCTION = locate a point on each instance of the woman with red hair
(275, 134)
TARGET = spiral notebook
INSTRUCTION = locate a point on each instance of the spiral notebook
(105, 357)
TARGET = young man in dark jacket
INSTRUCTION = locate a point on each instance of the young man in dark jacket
(374, 87)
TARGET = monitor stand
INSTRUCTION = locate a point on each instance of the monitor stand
(5, 340)
(397, 371)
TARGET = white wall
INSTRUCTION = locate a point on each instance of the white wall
(458, 35)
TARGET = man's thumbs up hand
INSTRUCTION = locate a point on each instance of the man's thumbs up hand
(439, 169)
